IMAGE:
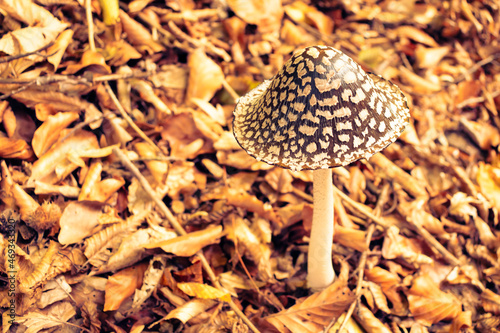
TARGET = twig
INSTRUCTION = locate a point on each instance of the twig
(477, 66)
(450, 258)
(230, 90)
(90, 24)
(360, 208)
(23, 55)
(179, 230)
(475, 100)
(129, 120)
(362, 261)
(198, 43)
(44, 80)
(240, 259)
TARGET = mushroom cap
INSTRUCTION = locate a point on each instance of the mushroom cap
(320, 111)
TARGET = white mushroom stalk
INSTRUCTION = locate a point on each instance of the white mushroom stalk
(320, 273)
(320, 111)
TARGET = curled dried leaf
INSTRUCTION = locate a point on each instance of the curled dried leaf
(187, 245)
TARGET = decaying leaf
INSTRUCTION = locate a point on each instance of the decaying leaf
(205, 76)
(191, 309)
(122, 285)
(55, 316)
(84, 232)
(77, 221)
(55, 165)
(429, 304)
(316, 311)
(265, 14)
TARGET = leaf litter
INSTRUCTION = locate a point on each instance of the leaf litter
(136, 210)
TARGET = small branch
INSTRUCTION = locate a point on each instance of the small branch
(197, 43)
(128, 119)
(23, 55)
(90, 24)
(360, 208)
(362, 261)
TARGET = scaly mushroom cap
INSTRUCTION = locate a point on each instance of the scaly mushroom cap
(320, 111)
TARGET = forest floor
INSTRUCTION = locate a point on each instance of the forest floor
(128, 206)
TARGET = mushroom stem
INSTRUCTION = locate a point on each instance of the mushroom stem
(320, 273)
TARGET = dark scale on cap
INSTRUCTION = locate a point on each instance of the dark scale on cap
(320, 111)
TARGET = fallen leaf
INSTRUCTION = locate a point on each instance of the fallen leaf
(428, 304)
(203, 291)
(122, 285)
(188, 245)
(313, 313)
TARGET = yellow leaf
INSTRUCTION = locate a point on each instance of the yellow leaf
(204, 291)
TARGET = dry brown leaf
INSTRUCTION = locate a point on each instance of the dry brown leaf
(300, 12)
(48, 133)
(418, 83)
(191, 309)
(78, 220)
(58, 49)
(25, 202)
(351, 238)
(55, 165)
(390, 284)
(392, 171)
(120, 52)
(266, 15)
(138, 35)
(313, 313)
(280, 180)
(39, 276)
(482, 133)
(132, 249)
(122, 285)
(152, 278)
(488, 178)
(187, 245)
(249, 244)
(490, 301)
(416, 35)
(100, 246)
(18, 124)
(181, 175)
(428, 304)
(203, 291)
(101, 190)
(54, 291)
(294, 35)
(375, 297)
(90, 313)
(42, 28)
(91, 61)
(54, 316)
(183, 135)
(367, 319)
(252, 204)
(430, 57)
(397, 246)
(205, 76)
(158, 169)
(147, 93)
(11, 148)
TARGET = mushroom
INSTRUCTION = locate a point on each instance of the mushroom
(320, 111)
